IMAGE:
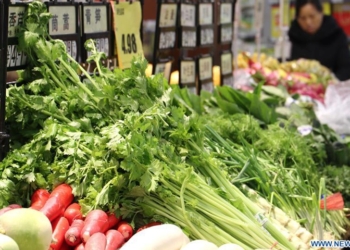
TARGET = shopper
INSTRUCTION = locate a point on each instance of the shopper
(318, 37)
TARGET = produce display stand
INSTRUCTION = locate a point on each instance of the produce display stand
(72, 22)
(190, 37)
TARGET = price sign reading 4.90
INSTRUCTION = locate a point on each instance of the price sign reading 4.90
(127, 24)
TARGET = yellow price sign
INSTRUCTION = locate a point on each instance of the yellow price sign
(127, 24)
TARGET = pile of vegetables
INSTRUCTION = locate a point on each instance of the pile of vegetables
(129, 145)
(303, 77)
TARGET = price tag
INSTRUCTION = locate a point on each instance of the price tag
(207, 36)
(205, 68)
(188, 72)
(72, 48)
(95, 19)
(209, 86)
(205, 14)
(168, 13)
(14, 57)
(167, 39)
(16, 15)
(128, 20)
(226, 33)
(63, 21)
(226, 64)
(225, 13)
(228, 81)
(163, 68)
(189, 38)
(102, 45)
(188, 15)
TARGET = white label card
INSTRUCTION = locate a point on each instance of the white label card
(164, 68)
(226, 64)
(188, 15)
(188, 72)
(63, 21)
(95, 19)
(167, 40)
(16, 15)
(205, 68)
(102, 45)
(189, 38)
(226, 33)
(205, 13)
(208, 86)
(168, 13)
(207, 36)
(72, 48)
(226, 13)
(14, 57)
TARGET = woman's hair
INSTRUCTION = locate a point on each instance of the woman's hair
(300, 3)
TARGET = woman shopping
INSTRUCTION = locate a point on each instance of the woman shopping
(316, 36)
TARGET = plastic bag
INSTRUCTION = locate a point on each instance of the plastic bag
(336, 112)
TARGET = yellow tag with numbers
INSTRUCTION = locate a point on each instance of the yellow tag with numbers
(127, 24)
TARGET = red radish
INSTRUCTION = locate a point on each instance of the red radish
(14, 206)
(80, 247)
(4, 210)
(112, 220)
(126, 230)
(39, 199)
(73, 234)
(64, 193)
(55, 222)
(97, 241)
(114, 240)
(59, 233)
(52, 208)
(73, 213)
(96, 222)
(151, 224)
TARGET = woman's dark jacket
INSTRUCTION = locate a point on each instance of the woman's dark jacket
(328, 45)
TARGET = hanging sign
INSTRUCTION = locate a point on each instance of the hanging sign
(188, 31)
(168, 13)
(102, 45)
(63, 21)
(127, 24)
(95, 20)
(205, 14)
(16, 15)
(225, 13)
(226, 33)
(167, 39)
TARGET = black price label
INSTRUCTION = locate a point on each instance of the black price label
(72, 48)
(207, 36)
(226, 33)
(102, 45)
(129, 45)
(208, 86)
(14, 57)
(189, 38)
(167, 39)
(228, 81)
